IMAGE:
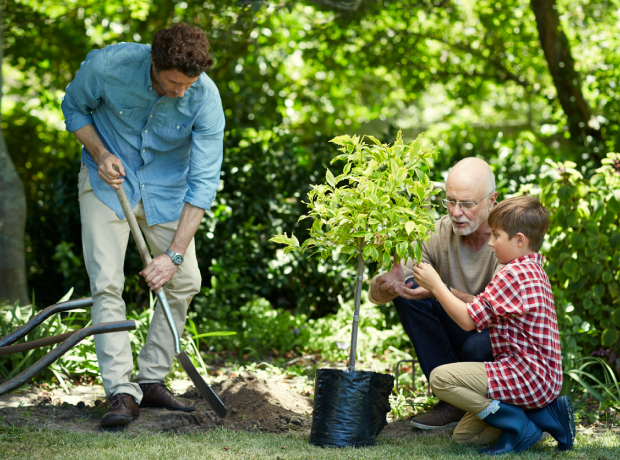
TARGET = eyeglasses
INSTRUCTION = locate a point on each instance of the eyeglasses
(450, 204)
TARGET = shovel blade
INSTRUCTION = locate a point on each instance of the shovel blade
(203, 388)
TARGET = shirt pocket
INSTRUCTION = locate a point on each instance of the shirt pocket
(126, 121)
(174, 132)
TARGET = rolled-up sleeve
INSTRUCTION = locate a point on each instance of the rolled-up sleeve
(205, 162)
(83, 94)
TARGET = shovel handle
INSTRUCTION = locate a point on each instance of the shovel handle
(146, 259)
(133, 225)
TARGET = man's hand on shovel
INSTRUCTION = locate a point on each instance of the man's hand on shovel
(159, 271)
(110, 169)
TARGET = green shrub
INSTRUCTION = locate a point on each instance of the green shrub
(261, 328)
(583, 253)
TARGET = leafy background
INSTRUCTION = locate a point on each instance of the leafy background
(471, 75)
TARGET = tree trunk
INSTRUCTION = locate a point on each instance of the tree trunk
(358, 301)
(12, 221)
(562, 68)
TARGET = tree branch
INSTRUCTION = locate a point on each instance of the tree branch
(562, 68)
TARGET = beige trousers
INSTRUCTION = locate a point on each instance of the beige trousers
(104, 241)
(464, 385)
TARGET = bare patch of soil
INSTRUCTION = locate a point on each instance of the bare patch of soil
(266, 405)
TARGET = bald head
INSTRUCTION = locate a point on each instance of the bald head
(472, 174)
(470, 181)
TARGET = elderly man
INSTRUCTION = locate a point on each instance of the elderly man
(152, 112)
(460, 254)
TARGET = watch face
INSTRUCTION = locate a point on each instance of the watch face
(177, 259)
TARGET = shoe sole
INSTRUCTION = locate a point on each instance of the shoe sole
(117, 420)
(158, 406)
(420, 426)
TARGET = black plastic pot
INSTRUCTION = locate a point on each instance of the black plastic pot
(350, 408)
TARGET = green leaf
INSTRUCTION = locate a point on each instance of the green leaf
(614, 241)
(341, 140)
(375, 140)
(609, 337)
(578, 240)
(570, 268)
(418, 252)
(213, 334)
(615, 316)
(614, 205)
(410, 227)
(283, 239)
(330, 178)
(598, 291)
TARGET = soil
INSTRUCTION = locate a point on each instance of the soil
(269, 405)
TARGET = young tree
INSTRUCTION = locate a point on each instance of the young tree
(377, 209)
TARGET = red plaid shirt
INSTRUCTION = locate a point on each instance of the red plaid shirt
(518, 308)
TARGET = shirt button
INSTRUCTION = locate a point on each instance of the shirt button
(146, 130)
(178, 127)
(121, 112)
(151, 116)
(142, 185)
(143, 150)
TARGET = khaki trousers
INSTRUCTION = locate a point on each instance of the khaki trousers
(104, 241)
(464, 385)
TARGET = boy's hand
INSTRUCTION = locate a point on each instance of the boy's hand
(426, 276)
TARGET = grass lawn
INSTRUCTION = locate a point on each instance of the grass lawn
(26, 443)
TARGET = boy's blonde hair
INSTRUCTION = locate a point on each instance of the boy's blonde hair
(522, 214)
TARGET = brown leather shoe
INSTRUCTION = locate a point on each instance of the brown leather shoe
(441, 416)
(123, 409)
(158, 395)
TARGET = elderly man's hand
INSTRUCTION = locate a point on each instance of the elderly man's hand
(159, 271)
(418, 293)
(395, 277)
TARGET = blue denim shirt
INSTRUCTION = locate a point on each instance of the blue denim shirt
(171, 148)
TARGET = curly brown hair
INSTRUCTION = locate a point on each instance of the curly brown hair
(183, 48)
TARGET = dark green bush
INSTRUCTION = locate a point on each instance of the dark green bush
(583, 252)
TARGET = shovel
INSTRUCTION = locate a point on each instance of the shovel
(203, 388)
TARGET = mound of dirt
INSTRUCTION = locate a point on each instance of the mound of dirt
(269, 406)
(265, 405)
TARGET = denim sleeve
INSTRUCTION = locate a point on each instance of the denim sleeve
(203, 177)
(83, 94)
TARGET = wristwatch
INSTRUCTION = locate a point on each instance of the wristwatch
(177, 259)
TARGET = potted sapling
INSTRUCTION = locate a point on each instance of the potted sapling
(378, 210)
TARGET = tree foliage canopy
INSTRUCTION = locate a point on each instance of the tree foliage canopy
(480, 78)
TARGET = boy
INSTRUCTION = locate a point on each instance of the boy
(517, 307)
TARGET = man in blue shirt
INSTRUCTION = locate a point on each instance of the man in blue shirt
(153, 112)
